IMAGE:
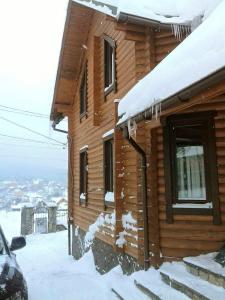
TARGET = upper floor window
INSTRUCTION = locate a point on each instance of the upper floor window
(83, 93)
(109, 65)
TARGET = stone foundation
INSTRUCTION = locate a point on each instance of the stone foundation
(104, 255)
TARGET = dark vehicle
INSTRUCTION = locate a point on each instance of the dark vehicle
(12, 283)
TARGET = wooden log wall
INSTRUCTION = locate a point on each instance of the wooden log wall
(192, 234)
(100, 119)
(138, 50)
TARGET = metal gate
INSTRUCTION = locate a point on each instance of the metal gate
(41, 218)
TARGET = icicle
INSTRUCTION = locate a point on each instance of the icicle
(178, 30)
(132, 128)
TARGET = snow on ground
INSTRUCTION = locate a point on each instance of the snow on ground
(10, 222)
(50, 273)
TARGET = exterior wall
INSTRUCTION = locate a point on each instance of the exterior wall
(191, 234)
(104, 254)
(88, 131)
(138, 50)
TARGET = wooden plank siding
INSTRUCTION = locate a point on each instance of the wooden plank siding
(192, 234)
(100, 119)
(138, 50)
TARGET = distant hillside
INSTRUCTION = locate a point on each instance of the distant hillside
(21, 170)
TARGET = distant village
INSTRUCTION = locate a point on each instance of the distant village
(15, 194)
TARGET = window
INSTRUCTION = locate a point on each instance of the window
(190, 164)
(83, 176)
(108, 171)
(109, 65)
(189, 161)
(83, 93)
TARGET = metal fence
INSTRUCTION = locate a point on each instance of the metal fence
(61, 217)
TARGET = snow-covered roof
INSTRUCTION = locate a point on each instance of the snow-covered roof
(200, 55)
(162, 11)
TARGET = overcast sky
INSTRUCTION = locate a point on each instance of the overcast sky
(30, 38)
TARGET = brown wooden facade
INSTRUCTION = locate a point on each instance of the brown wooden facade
(138, 49)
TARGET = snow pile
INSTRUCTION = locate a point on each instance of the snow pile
(109, 197)
(128, 223)
(103, 219)
(82, 196)
(108, 133)
(198, 56)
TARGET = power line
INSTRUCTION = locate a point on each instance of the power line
(24, 111)
(31, 130)
(18, 157)
(58, 148)
(27, 140)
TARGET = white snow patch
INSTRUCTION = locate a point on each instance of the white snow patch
(108, 133)
(177, 271)
(76, 233)
(193, 205)
(206, 261)
(84, 147)
(121, 241)
(82, 196)
(128, 222)
(96, 226)
(109, 197)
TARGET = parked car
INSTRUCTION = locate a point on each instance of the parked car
(12, 283)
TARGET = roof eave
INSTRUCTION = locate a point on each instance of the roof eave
(182, 96)
(128, 18)
(54, 115)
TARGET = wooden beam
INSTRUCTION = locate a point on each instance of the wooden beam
(135, 36)
(63, 108)
(129, 27)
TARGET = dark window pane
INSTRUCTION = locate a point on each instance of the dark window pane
(83, 176)
(109, 166)
(83, 94)
(108, 63)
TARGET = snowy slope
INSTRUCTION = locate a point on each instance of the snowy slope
(198, 56)
(53, 275)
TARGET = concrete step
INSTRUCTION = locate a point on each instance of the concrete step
(206, 268)
(123, 286)
(128, 293)
(176, 276)
(146, 291)
(151, 284)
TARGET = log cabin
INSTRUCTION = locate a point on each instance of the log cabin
(146, 131)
